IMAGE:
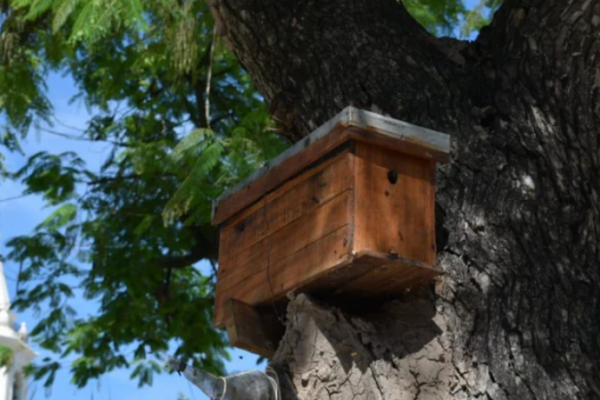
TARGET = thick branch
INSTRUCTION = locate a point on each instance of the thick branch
(205, 248)
(197, 253)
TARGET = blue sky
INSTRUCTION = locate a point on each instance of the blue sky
(20, 216)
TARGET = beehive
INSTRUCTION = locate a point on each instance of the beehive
(349, 210)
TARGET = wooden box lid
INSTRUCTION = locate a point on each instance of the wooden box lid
(350, 124)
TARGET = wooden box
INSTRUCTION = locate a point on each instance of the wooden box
(347, 211)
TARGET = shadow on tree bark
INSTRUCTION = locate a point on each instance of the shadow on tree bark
(402, 345)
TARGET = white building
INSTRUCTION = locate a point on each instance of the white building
(13, 382)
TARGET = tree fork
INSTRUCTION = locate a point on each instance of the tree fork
(294, 59)
(518, 306)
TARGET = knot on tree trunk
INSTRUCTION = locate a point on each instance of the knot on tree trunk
(400, 351)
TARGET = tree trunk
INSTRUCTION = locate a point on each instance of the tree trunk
(516, 314)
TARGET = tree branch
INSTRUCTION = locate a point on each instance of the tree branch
(84, 139)
(197, 253)
(105, 179)
(201, 88)
(209, 79)
(205, 248)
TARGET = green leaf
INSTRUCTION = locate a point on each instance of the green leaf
(184, 197)
(195, 141)
(64, 11)
(144, 225)
(136, 9)
(36, 7)
(60, 217)
(6, 356)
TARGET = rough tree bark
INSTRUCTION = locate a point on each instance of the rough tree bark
(516, 314)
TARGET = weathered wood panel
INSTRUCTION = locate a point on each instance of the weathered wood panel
(251, 329)
(255, 189)
(334, 278)
(284, 206)
(284, 187)
(394, 205)
(314, 225)
(298, 252)
(388, 277)
(409, 146)
(322, 256)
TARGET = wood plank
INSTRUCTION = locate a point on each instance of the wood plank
(287, 186)
(411, 146)
(392, 276)
(335, 278)
(394, 217)
(322, 255)
(251, 329)
(377, 281)
(312, 262)
(307, 248)
(289, 203)
(255, 189)
(316, 224)
(369, 274)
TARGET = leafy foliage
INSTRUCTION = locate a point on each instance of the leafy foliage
(438, 16)
(128, 236)
(6, 356)
(452, 17)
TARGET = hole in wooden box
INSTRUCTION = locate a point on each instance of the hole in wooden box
(392, 176)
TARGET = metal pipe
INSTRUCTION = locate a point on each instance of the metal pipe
(249, 385)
